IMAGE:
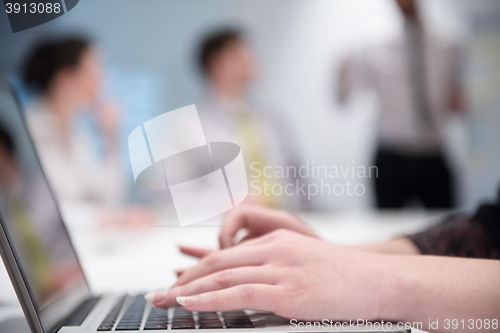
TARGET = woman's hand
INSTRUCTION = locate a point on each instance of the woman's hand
(299, 277)
(257, 221)
(289, 274)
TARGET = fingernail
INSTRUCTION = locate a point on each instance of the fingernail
(158, 297)
(150, 297)
(186, 301)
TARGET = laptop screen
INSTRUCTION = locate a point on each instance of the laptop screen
(30, 216)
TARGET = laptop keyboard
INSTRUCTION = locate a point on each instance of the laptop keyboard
(132, 319)
(110, 320)
(178, 319)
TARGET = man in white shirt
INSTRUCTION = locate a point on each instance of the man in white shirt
(416, 77)
(228, 114)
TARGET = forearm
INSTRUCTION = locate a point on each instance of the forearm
(456, 236)
(429, 288)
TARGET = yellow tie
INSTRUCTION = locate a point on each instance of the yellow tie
(251, 136)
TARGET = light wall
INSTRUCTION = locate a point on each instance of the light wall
(150, 46)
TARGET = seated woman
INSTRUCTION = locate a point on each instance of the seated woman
(66, 76)
(282, 266)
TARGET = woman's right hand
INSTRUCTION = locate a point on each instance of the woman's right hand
(257, 221)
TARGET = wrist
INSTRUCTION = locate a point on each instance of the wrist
(402, 246)
(400, 289)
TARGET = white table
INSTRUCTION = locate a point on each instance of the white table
(143, 260)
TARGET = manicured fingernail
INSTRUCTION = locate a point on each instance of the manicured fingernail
(158, 297)
(186, 301)
(150, 297)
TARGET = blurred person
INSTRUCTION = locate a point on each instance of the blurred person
(67, 75)
(283, 266)
(229, 114)
(416, 77)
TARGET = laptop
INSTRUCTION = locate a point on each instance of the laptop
(44, 267)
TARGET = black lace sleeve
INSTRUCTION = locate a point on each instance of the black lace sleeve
(459, 236)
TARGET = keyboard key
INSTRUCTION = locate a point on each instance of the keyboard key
(208, 321)
(156, 320)
(182, 325)
(105, 328)
(183, 315)
(208, 315)
(245, 320)
(210, 325)
(130, 322)
(241, 320)
(162, 326)
(130, 318)
(182, 322)
(182, 319)
(127, 328)
(239, 324)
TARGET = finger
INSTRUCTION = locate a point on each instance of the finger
(238, 256)
(257, 220)
(258, 297)
(247, 237)
(234, 221)
(217, 281)
(195, 251)
(179, 272)
(258, 240)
